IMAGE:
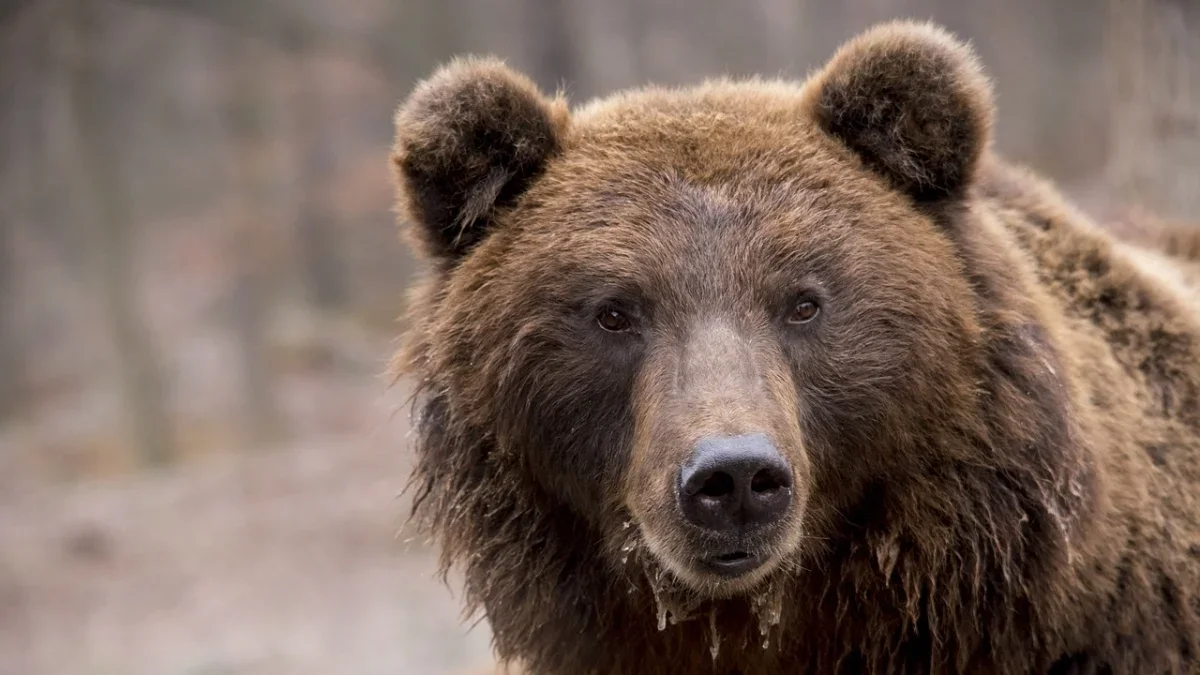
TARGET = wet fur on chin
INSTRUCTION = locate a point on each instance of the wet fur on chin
(660, 557)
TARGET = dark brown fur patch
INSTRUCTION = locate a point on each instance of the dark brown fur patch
(913, 102)
(468, 141)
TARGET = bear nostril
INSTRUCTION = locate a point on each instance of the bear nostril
(769, 480)
(718, 485)
(734, 483)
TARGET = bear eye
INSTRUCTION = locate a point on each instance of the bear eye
(613, 320)
(804, 311)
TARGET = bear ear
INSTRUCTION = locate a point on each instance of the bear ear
(912, 102)
(469, 140)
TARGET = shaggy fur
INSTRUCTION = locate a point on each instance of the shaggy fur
(994, 421)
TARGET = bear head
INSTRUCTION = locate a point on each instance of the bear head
(699, 330)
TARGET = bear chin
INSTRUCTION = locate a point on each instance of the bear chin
(740, 571)
(681, 591)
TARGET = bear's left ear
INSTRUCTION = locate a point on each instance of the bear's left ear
(912, 102)
(469, 140)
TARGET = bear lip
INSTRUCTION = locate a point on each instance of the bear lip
(732, 563)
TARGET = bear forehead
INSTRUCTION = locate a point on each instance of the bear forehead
(732, 158)
(644, 215)
(765, 100)
(714, 133)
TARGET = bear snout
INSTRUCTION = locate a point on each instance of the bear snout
(731, 485)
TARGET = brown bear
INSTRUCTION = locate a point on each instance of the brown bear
(768, 378)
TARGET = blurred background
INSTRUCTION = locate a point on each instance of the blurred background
(200, 279)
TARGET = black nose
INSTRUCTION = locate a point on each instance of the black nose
(734, 483)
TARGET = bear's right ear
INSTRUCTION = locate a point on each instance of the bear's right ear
(468, 141)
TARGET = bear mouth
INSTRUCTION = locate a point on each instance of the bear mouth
(732, 564)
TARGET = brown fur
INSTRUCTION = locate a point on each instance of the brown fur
(1149, 239)
(994, 423)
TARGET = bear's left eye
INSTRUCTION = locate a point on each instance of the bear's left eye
(804, 311)
(613, 320)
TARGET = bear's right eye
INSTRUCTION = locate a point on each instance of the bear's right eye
(613, 320)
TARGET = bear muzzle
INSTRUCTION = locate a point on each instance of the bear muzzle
(719, 474)
(734, 487)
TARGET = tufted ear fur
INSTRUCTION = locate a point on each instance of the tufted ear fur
(912, 102)
(468, 142)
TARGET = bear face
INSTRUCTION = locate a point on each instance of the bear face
(727, 287)
(645, 329)
(693, 343)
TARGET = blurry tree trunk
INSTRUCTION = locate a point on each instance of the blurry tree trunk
(1154, 157)
(555, 60)
(42, 77)
(11, 369)
(15, 153)
(321, 267)
(781, 25)
(638, 32)
(250, 245)
(111, 240)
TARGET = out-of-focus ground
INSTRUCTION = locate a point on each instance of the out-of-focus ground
(283, 563)
(294, 559)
